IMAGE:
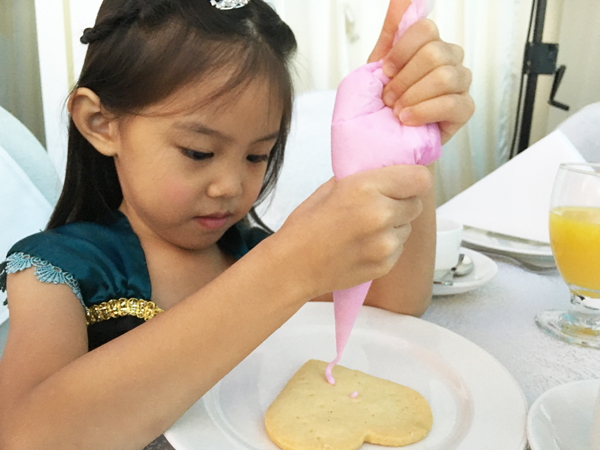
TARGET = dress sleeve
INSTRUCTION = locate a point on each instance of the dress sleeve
(44, 271)
(99, 262)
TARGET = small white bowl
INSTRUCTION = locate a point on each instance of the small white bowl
(561, 418)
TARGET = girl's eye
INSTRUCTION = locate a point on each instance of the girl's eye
(197, 156)
(255, 159)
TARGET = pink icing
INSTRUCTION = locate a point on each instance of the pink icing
(366, 135)
(354, 394)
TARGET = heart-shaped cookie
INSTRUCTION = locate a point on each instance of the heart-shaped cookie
(311, 414)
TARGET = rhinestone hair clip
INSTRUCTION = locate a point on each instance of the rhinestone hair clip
(225, 5)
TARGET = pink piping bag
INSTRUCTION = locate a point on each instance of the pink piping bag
(366, 135)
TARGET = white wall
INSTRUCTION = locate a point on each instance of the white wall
(579, 50)
(60, 24)
(83, 15)
(573, 24)
(54, 69)
(20, 90)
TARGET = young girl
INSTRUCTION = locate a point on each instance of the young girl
(149, 284)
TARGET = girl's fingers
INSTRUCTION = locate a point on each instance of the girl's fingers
(430, 58)
(403, 181)
(399, 238)
(428, 82)
(407, 211)
(449, 129)
(417, 36)
(443, 80)
(448, 108)
(452, 111)
(394, 14)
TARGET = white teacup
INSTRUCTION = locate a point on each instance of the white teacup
(447, 249)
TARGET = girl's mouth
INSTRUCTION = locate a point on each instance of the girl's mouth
(213, 221)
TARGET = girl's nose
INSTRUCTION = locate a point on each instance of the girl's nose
(226, 184)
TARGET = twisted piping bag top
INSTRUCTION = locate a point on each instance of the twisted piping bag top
(366, 135)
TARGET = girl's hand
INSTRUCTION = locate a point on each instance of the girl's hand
(353, 230)
(429, 82)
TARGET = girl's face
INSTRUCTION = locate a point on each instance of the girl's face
(189, 172)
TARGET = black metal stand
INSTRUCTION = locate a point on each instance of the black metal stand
(540, 59)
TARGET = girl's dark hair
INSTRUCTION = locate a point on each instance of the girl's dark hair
(140, 51)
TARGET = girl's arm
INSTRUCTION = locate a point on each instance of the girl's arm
(406, 289)
(55, 395)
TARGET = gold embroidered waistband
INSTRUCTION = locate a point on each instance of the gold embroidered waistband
(143, 309)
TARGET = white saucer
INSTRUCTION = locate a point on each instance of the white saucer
(561, 418)
(485, 269)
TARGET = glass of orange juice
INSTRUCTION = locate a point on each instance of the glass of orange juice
(575, 239)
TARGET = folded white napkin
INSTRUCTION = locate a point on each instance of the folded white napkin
(23, 211)
(515, 199)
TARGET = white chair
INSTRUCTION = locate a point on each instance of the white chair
(307, 162)
(583, 130)
(30, 189)
(24, 209)
(22, 146)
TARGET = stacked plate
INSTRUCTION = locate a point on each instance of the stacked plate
(532, 254)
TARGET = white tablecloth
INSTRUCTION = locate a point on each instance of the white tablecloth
(499, 317)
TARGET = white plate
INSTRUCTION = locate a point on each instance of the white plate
(530, 252)
(476, 403)
(508, 244)
(561, 418)
(485, 269)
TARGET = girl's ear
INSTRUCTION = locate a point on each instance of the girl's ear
(94, 122)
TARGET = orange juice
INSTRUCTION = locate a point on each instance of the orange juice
(575, 240)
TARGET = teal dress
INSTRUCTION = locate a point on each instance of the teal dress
(105, 266)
